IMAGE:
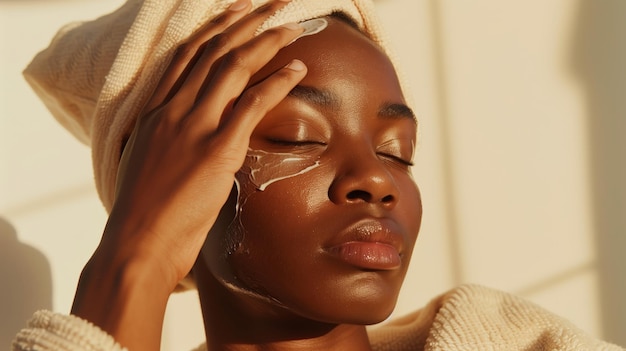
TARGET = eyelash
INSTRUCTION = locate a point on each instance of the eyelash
(398, 159)
(295, 143)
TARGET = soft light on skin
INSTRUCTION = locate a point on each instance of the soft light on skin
(350, 138)
(260, 170)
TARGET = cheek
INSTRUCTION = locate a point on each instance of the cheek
(274, 240)
(260, 170)
(410, 212)
(270, 191)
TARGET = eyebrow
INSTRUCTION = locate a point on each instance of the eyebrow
(326, 99)
(311, 95)
(397, 111)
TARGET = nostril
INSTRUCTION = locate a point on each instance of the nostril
(359, 195)
(367, 197)
(387, 199)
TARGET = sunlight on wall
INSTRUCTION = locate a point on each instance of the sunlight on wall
(503, 163)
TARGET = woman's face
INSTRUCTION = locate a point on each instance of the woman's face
(330, 235)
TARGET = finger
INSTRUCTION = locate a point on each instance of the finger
(220, 44)
(257, 101)
(188, 52)
(234, 71)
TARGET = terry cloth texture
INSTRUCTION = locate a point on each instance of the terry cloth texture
(468, 318)
(96, 76)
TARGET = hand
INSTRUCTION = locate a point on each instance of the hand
(178, 167)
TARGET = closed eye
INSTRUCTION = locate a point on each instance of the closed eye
(295, 143)
(397, 159)
(398, 150)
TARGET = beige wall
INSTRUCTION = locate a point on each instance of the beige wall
(521, 160)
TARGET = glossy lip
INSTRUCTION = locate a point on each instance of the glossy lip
(371, 244)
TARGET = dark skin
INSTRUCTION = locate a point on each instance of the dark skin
(292, 290)
(314, 296)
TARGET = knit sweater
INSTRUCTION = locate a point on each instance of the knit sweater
(470, 317)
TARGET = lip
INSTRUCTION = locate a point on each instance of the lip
(372, 244)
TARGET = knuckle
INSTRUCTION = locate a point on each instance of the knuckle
(219, 42)
(185, 51)
(220, 20)
(251, 99)
(235, 59)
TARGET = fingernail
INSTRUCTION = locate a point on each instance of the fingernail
(296, 65)
(311, 27)
(238, 5)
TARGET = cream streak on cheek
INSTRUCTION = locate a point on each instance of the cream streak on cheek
(260, 170)
(264, 168)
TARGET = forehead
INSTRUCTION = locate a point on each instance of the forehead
(341, 56)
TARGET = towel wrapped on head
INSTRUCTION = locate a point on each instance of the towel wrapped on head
(96, 76)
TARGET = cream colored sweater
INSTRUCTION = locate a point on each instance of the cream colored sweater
(469, 317)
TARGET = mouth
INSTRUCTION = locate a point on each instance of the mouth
(371, 244)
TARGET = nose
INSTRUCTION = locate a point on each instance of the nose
(364, 180)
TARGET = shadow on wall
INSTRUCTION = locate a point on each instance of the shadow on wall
(26, 283)
(598, 57)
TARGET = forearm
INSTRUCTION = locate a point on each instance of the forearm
(125, 298)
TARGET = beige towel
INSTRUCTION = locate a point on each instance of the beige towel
(473, 317)
(468, 318)
(96, 76)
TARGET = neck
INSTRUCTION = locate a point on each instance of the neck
(240, 322)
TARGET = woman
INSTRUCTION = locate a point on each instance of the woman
(293, 156)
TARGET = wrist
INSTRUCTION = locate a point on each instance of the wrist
(125, 298)
(137, 251)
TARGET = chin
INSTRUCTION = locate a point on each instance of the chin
(370, 310)
(361, 315)
(362, 303)
(370, 318)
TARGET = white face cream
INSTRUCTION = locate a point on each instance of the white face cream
(263, 168)
(260, 170)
